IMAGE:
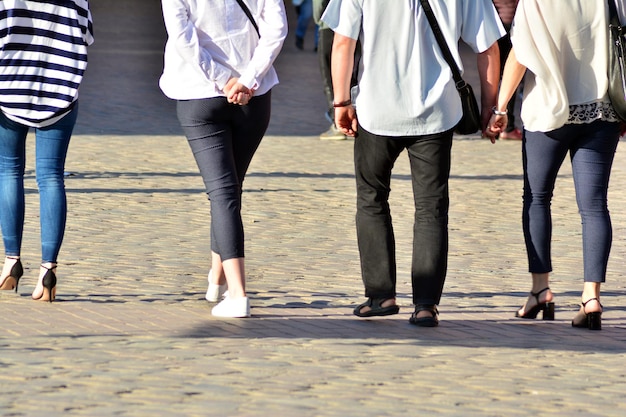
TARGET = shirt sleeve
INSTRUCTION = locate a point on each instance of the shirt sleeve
(482, 25)
(185, 36)
(273, 30)
(344, 17)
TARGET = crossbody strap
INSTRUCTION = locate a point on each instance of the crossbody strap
(613, 17)
(432, 20)
(249, 14)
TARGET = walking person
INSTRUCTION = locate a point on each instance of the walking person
(219, 69)
(560, 47)
(506, 11)
(43, 56)
(406, 100)
(324, 52)
(304, 13)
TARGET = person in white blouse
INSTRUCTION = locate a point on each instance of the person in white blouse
(218, 65)
(562, 48)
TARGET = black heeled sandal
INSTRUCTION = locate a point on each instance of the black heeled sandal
(49, 282)
(13, 279)
(547, 308)
(591, 321)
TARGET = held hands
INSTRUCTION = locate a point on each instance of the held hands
(496, 125)
(237, 93)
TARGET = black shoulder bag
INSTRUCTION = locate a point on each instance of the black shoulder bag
(470, 122)
(617, 70)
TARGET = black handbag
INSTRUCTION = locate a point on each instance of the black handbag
(470, 122)
(617, 55)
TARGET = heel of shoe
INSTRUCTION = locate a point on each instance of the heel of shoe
(215, 292)
(548, 311)
(594, 321)
(49, 283)
(12, 281)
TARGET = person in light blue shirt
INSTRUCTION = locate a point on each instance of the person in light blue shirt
(406, 100)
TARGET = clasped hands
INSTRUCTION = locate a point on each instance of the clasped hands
(237, 93)
(496, 125)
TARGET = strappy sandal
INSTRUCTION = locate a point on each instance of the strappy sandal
(432, 321)
(547, 308)
(376, 308)
(591, 321)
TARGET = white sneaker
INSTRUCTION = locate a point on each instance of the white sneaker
(232, 307)
(215, 292)
(333, 133)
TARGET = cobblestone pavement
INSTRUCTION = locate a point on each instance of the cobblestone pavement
(131, 334)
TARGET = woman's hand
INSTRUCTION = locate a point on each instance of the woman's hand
(237, 93)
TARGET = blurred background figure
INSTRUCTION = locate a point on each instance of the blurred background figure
(325, 47)
(506, 10)
(304, 11)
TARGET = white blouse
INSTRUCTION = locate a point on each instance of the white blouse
(211, 41)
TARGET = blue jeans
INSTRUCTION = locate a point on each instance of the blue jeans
(429, 158)
(305, 17)
(51, 145)
(592, 149)
(223, 138)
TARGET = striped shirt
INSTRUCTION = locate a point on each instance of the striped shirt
(43, 56)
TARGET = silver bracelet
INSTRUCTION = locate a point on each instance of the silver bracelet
(498, 112)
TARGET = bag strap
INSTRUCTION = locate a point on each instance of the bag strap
(249, 14)
(432, 20)
(612, 10)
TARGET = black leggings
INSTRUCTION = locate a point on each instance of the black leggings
(223, 138)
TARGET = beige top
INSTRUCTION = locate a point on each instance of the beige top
(564, 45)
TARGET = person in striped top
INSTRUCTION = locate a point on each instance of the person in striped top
(43, 56)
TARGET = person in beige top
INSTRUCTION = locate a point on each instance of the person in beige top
(560, 47)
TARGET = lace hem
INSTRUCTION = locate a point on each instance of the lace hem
(590, 112)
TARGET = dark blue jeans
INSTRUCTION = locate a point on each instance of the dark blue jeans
(592, 148)
(223, 138)
(429, 158)
(51, 144)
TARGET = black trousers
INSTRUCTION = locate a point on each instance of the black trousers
(429, 157)
(223, 138)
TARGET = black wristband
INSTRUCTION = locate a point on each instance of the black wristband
(343, 104)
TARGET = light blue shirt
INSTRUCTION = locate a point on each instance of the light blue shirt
(405, 86)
